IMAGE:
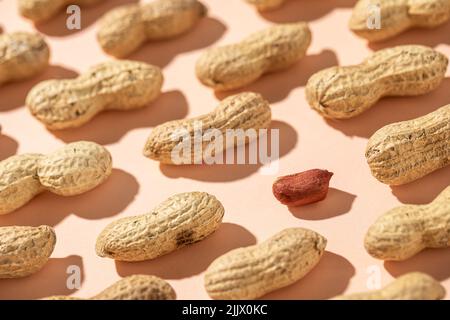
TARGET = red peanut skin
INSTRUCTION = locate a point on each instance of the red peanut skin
(302, 188)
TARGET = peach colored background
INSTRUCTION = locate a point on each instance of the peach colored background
(252, 214)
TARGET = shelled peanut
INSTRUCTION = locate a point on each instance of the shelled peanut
(345, 92)
(24, 250)
(22, 56)
(406, 151)
(113, 85)
(243, 111)
(179, 221)
(237, 65)
(397, 16)
(404, 231)
(251, 272)
(135, 287)
(411, 286)
(124, 29)
(41, 10)
(302, 188)
(74, 169)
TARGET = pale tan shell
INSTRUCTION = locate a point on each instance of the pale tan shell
(118, 85)
(124, 29)
(234, 66)
(398, 16)
(24, 250)
(135, 287)
(40, 10)
(411, 286)
(19, 182)
(244, 111)
(22, 56)
(404, 231)
(74, 169)
(406, 151)
(251, 272)
(345, 92)
(179, 221)
(266, 5)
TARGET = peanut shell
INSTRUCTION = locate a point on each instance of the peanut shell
(237, 65)
(345, 92)
(404, 231)
(251, 272)
(113, 85)
(179, 221)
(405, 151)
(24, 250)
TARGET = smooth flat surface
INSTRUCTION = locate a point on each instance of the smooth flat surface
(252, 214)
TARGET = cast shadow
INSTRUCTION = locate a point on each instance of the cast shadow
(161, 53)
(8, 146)
(423, 36)
(195, 258)
(434, 262)
(303, 10)
(393, 109)
(107, 200)
(14, 93)
(336, 203)
(170, 105)
(232, 172)
(276, 86)
(49, 281)
(423, 190)
(56, 26)
(328, 279)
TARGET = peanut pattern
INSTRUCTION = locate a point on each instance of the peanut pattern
(118, 85)
(345, 92)
(243, 111)
(22, 56)
(402, 152)
(74, 169)
(135, 287)
(123, 30)
(179, 221)
(237, 65)
(411, 286)
(24, 250)
(404, 231)
(251, 272)
(398, 16)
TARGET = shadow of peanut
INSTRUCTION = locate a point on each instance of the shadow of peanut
(194, 259)
(14, 94)
(277, 86)
(51, 280)
(336, 203)
(328, 279)
(8, 146)
(303, 10)
(232, 172)
(425, 189)
(56, 26)
(107, 200)
(423, 36)
(434, 262)
(161, 53)
(169, 106)
(393, 109)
